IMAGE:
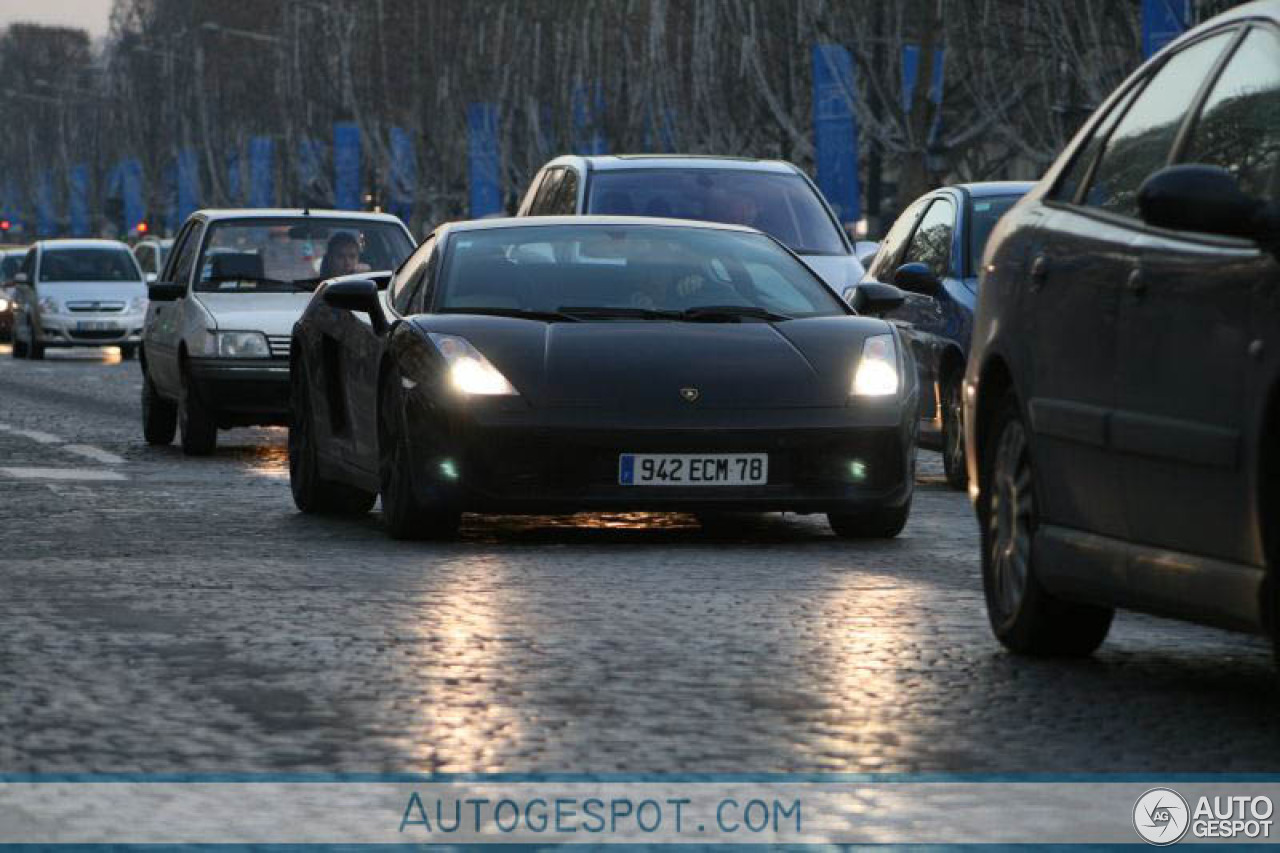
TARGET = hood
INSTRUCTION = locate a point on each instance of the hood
(269, 313)
(643, 366)
(91, 291)
(838, 271)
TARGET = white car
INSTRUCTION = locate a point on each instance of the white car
(78, 293)
(215, 353)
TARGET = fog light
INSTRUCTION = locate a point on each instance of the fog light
(858, 471)
(449, 469)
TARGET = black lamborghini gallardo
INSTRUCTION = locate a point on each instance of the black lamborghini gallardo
(549, 365)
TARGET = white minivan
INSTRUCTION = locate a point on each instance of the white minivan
(78, 293)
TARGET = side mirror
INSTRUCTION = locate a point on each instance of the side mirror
(166, 291)
(873, 298)
(151, 278)
(1205, 199)
(360, 296)
(917, 278)
(22, 278)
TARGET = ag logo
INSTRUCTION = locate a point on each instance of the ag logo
(1161, 816)
(690, 395)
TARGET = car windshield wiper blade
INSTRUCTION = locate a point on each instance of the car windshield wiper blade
(713, 313)
(619, 312)
(519, 313)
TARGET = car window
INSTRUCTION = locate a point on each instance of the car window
(29, 263)
(1074, 177)
(1141, 142)
(546, 193)
(984, 213)
(143, 254)
(627, 269)
(1239, 125)
(781, 204)
(409, 276)
(185, 260)
(565, 202)
(88, 264)
(931, 244)
(886, 260)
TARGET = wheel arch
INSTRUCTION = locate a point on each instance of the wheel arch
(995, 380)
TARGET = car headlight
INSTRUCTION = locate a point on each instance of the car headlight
(469, 371)
(49, 305)
(4, 304)
(242, 345)
(137, 304)
(877, 373)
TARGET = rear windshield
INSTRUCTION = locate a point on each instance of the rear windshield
(587, 269)
(987, 211)
(287, 255)
(88, 265)
(9, 266)
(783, 205)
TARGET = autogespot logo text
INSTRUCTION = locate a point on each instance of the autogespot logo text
(1161, 816)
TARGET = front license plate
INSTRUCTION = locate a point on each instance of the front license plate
(97, 326)
(693, 469)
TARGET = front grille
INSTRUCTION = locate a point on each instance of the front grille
(105, 335)
(95, 307)
(279, 345)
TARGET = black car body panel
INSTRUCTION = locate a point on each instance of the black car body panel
(1146, 363)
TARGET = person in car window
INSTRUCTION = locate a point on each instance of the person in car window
(342, 256)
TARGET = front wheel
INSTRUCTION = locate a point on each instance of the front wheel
(159, 416)
(953, 462)
(883, 523)
(35, 349)
(405, 515)
(195, 422)
(1025, 617)
(311, 493)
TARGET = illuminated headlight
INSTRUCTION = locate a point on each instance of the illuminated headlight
(242, 345)
(4, 304)
(137, 304)
(49, 305)
(877, 373)
(469, 371)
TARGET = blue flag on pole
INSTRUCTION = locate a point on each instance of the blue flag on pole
(484, 164)
(262, 172)
(46, 213)
(346, 166)
(404, 174)
(235, 183)
(188, 189)
(1162, 22)
(836, 130)
(78, 200)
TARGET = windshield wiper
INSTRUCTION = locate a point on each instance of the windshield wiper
(619, 312)
(519, 313)
(732, 313)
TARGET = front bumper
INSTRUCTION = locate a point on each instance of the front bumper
(820, 460)
(244, 391)
(89, 330)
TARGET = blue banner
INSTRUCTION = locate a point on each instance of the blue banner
(262, 172)
(836, 130)
(46, 212)
(346, 166)
(130, 189)
(588, 120)
(188, 189)
(1162, 22)
(78, 201)
(404, 174)
(235, 182)
(911, 73)
(309, 172)
(484, 165)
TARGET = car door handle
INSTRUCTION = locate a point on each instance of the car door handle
(1137, 283)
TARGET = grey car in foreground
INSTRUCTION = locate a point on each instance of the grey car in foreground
(1123, 392)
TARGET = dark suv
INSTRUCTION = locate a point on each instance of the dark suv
(1122, 398)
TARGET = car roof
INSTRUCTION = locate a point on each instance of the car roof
(622, 162)
(544, 221)
(221, 214)
(990, 188)
(80, 243)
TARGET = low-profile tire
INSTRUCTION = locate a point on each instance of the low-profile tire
(953, 462)
(128, 352)
(883, 523)
(196, 425)
(313, 494)
(403, 513)
(1024, 616)
(159, 416)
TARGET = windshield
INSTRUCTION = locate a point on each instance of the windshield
(986, 213)
(784, 205)
(86, 264)
(284, 255)
(9, 266)
(603, 272)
